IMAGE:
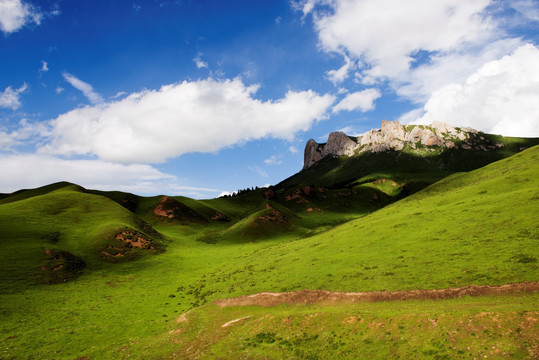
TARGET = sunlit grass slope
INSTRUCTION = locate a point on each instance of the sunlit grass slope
(471, 228)
(493, 327)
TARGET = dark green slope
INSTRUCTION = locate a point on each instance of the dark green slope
(417, 168)
(28, 193)
(52, 233)
(165, 209)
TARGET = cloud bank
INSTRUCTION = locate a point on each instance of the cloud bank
(92, 174)
(191, 116)
(501, 97)
(436, 54)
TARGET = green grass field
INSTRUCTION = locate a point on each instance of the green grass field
(477, 227)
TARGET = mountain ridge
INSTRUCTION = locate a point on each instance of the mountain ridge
(394, 136)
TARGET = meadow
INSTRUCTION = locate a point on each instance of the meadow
(475, 227)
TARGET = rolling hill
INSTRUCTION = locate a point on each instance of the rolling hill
(92, 274)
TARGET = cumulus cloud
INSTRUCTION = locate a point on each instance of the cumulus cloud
(387, 33)
(199, 63)
(25, 132)
(339, 75)
(191, 116)
(417, 46)
(44, 66)
(500, 97)
(31, 170)
(360, 100)
(14, 14)
(439, 55)
(419, 83)
(86, 89)
(10, 99)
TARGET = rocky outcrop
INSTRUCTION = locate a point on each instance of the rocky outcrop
(396, 137)
(313, 153)
(339, 144)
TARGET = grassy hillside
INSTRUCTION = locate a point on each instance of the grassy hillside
(470, 228)
(52, 233)
(496, 327)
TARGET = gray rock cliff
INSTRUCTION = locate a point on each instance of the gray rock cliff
(396, 137)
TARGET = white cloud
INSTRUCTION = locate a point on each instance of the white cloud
(527, 8)
(199, 63)
(501, 97)
(26, 131)
(436, 54)
(419, 83)
(417, 46)
(59, 90)
(386, 33)
(293, 149)
(7, 141)
(119, 94)
(30, 171)
(14, 14)
(273, 160)
(411, 116)
(352, 130)
(305, 6)
(10, 98)
(360, 100)
(198, 116)
(85, 88)
(44, 66)
(339, 75)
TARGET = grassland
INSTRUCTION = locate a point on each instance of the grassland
(477, 227)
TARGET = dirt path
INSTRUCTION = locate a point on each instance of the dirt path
(268, 299)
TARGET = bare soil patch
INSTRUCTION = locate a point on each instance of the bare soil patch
(268, 299)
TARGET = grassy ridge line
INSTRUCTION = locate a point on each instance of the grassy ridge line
(28, 193)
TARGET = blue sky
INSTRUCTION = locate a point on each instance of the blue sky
(202, 97)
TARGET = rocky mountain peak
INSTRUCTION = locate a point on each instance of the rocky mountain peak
(397, 137)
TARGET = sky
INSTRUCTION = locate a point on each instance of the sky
(204, 97)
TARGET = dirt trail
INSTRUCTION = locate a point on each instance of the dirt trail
(267, 299)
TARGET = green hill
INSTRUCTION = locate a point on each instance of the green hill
(474, 227)
(50, 234)
(470, 228)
